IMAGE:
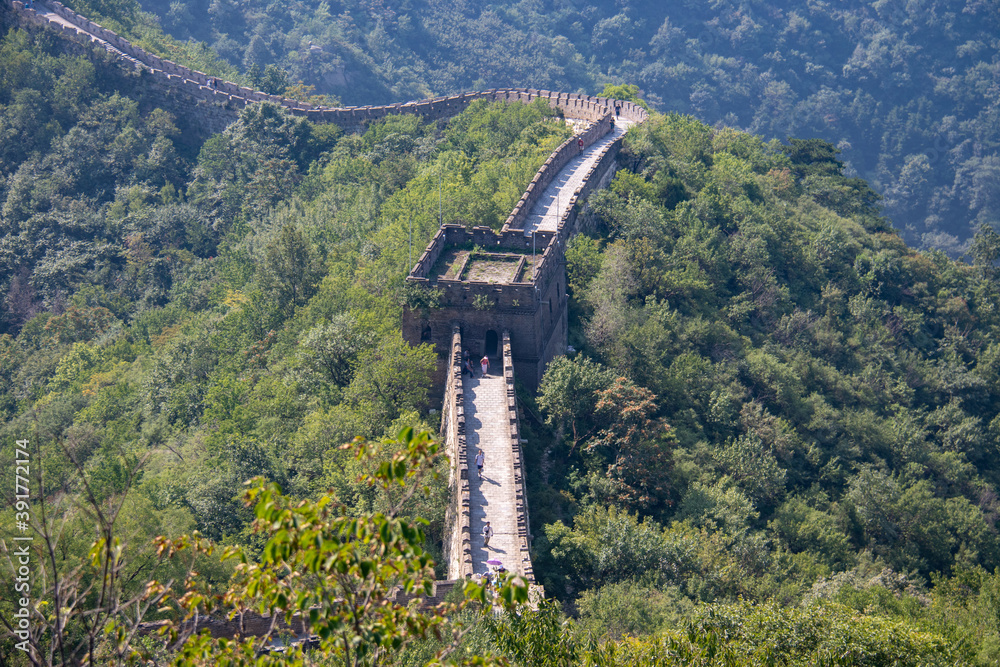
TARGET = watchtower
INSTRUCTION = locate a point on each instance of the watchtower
(489, 282)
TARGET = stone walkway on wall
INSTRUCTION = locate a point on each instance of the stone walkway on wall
(52, 17)
(492, 497)
(55, 18)
(545, 214)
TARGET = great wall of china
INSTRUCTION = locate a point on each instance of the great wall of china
(221, 101)
(499, 294)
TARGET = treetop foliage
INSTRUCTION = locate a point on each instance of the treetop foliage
(905, 93)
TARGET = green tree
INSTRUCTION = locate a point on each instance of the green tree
(391, 378)
(331, 350)
(569, 393)
(985, 251)
(291, 270)
(274, 80)
(638, 445)
(627, 91)
(539, 637)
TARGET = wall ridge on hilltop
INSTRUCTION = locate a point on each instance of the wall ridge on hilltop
(232, 97)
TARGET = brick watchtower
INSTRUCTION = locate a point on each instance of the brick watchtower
(488, 283)
(514, 280)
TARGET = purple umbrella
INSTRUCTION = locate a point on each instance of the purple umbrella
(493, 561)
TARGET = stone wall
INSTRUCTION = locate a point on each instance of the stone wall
(454, 293)
(596, 178)
(434, 326)
(221, 101)
(568, 150)
(523, 524)
(450, 235)
(458, 545)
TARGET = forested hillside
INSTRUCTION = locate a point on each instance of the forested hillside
(774, 398)
(907, 91)
(776, 442)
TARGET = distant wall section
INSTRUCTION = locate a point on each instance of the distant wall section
(218, 102)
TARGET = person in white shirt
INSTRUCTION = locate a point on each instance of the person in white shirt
(487, 534)
(480, 460)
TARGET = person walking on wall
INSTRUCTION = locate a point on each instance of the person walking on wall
(480, 460)
(579, 142)
(485, 364)
(487, 534)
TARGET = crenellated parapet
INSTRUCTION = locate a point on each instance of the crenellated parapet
(458, 543)
(520, 497)
(568, 150)
(231, 97)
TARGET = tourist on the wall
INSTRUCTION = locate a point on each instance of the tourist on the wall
(480, 461)
(487, 534)
(485, 363)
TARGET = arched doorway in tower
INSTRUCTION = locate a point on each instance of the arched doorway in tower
(492, 347)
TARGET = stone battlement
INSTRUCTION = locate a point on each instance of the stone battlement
(568, 150)
(197, 86)
(458, 544)
(520, 497)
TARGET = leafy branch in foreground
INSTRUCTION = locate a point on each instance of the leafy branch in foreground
(87, 605)
(339, 573)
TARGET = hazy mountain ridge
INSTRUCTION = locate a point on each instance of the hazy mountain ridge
(908, 91)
